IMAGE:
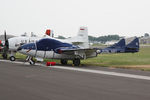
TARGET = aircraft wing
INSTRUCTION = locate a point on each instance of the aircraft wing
(82, 53)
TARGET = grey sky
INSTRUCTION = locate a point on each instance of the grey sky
(102, 17)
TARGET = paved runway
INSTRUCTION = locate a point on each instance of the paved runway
(24, 82)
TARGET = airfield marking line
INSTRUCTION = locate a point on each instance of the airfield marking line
(89, 71)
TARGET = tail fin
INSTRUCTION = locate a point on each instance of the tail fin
(134, 43)
(83, 32)
(49, 33)
(116, 48)
(81, 39)
(133, 46)
(121, 43)
(83, 36)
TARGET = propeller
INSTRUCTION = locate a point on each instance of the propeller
(6, 46)
(6, 41)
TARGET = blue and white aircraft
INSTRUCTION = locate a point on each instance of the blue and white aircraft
(54, 49)
(9, 46)
(74, 49)
(121, 47)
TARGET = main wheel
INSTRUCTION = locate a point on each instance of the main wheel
(76, 62)
(63, 62)
(12, 58)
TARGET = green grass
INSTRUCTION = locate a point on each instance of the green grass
(20, 56)
(140, 58)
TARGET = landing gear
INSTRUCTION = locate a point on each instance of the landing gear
(30, 59)
(76, 62)
(12, 58)
(4, 55)
(63, 61)
(32, 62)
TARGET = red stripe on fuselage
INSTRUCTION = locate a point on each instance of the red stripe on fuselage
(28, 50)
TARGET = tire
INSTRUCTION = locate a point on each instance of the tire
(32, 62)
(63, 61)
(12, 58)
(76, 62)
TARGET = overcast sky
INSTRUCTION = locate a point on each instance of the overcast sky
(102, 17)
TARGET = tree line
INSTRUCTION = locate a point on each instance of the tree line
(101, 39)
(104, 39)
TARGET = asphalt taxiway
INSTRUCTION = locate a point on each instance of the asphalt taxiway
(19, 81)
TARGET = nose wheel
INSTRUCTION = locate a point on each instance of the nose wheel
(30, 60)
(12, 58)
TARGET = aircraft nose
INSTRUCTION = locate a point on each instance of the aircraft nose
(1, 45)
(19, 49)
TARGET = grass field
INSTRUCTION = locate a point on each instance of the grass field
(140, 60)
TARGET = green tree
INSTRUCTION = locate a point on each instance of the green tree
(104, 39)
(61, 37)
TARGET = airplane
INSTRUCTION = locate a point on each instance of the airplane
(121, 47)
(11, 45)
(55, 49)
